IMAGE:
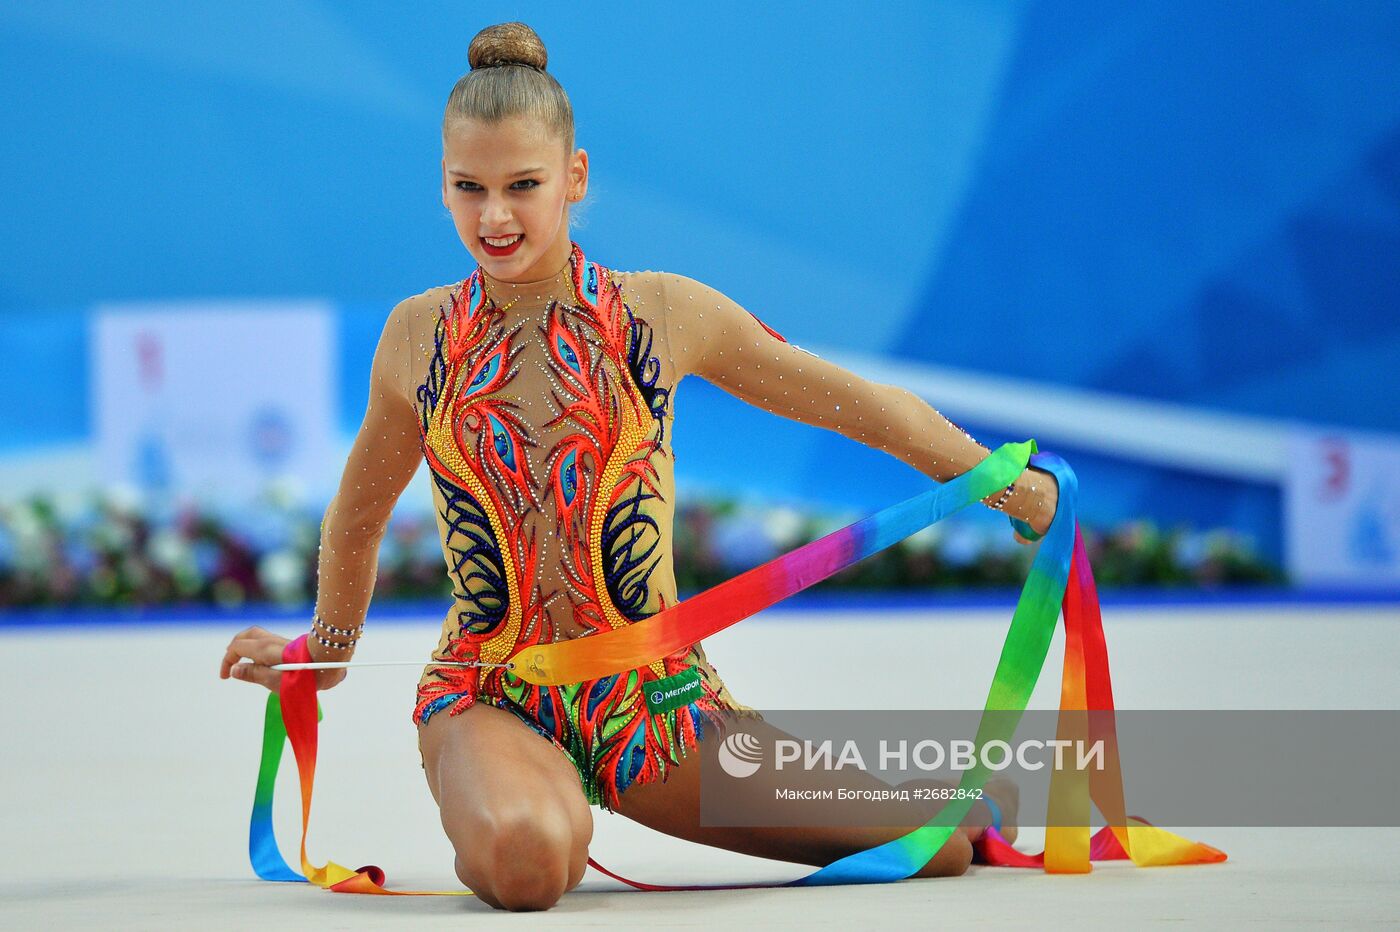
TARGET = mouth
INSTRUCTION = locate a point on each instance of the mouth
(502, 245)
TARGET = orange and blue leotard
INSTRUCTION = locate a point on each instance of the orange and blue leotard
(546, 428)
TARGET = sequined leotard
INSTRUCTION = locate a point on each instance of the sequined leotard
(544, 411)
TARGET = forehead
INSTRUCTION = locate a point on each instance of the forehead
(500, 146)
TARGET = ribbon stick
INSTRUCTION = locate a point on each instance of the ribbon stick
(1060, 576)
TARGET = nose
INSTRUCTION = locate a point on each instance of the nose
(495, 214)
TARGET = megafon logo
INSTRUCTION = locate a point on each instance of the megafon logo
(740, 754)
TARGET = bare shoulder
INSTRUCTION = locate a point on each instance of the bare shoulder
(670, 295)
(415, 318)
(423, 309)
(410, 333)
(652, 283)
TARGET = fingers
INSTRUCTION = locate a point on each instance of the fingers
(266, 649)
(260, 646)
(231, 654)
(257, 673)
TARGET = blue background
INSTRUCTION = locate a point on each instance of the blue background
(1191, 202)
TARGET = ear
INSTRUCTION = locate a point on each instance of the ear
(444, 185)
(578, 175)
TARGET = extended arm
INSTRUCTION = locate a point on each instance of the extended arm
(382, 460)
(715, 338)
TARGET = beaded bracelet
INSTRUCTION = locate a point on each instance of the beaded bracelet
(352, 633)
(332, 629)
(332, 644)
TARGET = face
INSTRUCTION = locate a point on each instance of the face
(512, 182)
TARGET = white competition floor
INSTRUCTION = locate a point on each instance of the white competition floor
(129, 768)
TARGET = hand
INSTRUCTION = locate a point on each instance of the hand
(264, 649)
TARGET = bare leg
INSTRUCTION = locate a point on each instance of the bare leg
(673, 807)
(510, 803)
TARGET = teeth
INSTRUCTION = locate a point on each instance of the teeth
(503, 242)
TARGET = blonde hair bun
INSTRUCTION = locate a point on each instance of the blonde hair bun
(507, 44)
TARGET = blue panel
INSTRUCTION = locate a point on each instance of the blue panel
(44, 380)
(1186, 201)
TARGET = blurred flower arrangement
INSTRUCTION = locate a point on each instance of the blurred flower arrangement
(110, 550)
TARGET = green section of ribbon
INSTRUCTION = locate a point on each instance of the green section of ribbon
(1022, 658)
(262, 841)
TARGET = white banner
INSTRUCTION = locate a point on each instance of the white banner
(1342, 509)
(215, 400)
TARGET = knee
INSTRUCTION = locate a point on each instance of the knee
(519, 860)
(582, 827)
(952, 860)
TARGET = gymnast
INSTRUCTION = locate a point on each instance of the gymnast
(541, 392)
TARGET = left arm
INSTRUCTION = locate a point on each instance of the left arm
(717, 339)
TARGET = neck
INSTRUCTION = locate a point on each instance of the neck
(557, 286)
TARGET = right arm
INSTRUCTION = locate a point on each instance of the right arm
(382, 460)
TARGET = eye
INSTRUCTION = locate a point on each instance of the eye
(524, 184)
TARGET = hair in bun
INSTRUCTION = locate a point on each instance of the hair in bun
(491, 91)
(507, 44)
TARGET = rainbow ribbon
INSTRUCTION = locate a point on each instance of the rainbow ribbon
(1060, 578)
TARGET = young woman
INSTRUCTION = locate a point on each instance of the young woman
(540, 391)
